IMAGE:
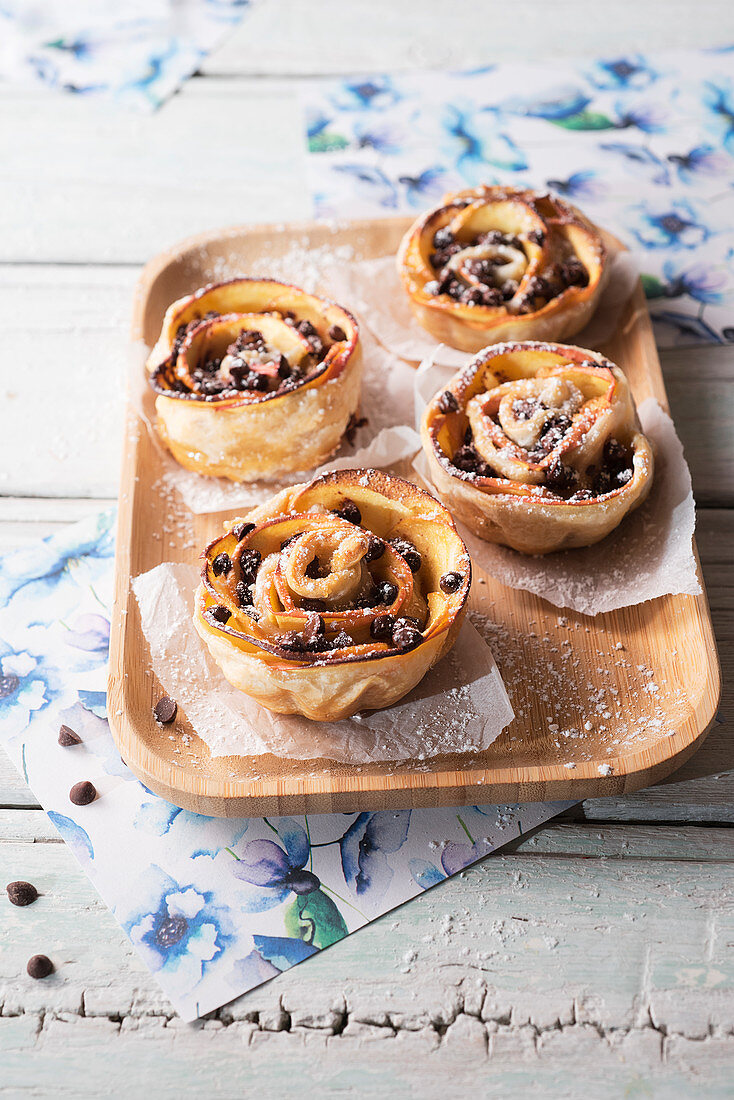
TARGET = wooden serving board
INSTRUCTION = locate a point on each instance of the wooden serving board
(624, 697)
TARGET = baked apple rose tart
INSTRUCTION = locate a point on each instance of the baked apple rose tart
(498, 263)
(255, 379)
(336, 596)
(537, 446)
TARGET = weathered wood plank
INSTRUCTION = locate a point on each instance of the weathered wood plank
(274, 37)
(125, 185)
(560, 966)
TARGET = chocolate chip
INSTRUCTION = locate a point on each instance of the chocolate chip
(405, 634)
(257, 382)
(447, 403)
(243, 592)
(350, 512)
(450, 582)
(336, 332)
(573, 273)
(313, 569)
(309, 604)
(220, 613)
(537, 236)
(388, 592)
(284, 367)
(314, 627)
(249, 564)
(443, 237)
(408, 552)
(375, 549)
(292, 642)
(39, 966)
(560, 479)
(250, 338)
(306, 328)
(68, 737)
(554, 430)
(81, 794)
(221, 565)
(165, 710)
(473, 296)
(342, 640)
(239, 372)
(537, 287)
(493, 236)
(508, 289)
(242, 529)
(21, 893)
(355, 422)
(381, 627)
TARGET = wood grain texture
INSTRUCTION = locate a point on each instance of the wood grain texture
(584, 957)
(271, 40)
(670, 639)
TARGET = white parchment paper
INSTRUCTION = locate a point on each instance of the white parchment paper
(460, 706)
(373, 287)
(650, 554)
(386, 438)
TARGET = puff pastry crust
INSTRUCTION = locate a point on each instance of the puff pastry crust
(254, 379)
(336, 596)
(538, 447)
(499, 263)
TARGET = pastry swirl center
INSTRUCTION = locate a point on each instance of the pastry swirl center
(327, 565)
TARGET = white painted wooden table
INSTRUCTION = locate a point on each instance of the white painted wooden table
(596, 959)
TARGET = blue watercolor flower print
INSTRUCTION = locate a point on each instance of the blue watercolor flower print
(370, 183)
(668, 225)
(29, 684)
(365, 846)
(424, 187)
(282, 952)
(177, 927)
(279, 870)
(639, 160)
(557, 103)
(632, 71)
(41, 565)
(90, 632)
(584, 184)
(472, 141)
(647, 116)
(186, 830)
(718, 98)
(74, 835)
(701, 161)
(373, 93)
(703, 282)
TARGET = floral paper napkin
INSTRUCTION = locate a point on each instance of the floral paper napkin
(642, 143)
(137, 53)
(214, 907)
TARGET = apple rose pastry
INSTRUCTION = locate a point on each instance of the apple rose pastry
(499, 263)
(254, 379)
(335, 596)
(537, 446)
